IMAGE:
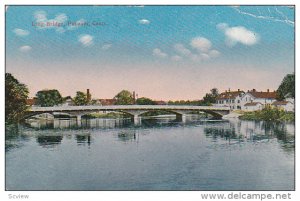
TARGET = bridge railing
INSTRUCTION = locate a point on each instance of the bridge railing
(126, 107)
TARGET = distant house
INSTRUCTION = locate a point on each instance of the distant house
(265, 98)
(31, 101)
(68, 102)
(253, 106)
(107, 101)
(231, 99)
(160, 102)
(285, 105)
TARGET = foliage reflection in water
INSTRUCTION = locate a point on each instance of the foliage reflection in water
(160, 154)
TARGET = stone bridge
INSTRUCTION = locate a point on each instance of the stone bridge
(133, 110)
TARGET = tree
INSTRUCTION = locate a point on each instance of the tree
(16, 94)
(80, 98)
(124, 98)
(49, 98)
(287, 87)
(210, 98)
(145, 101)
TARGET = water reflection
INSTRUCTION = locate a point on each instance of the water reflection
(49, 140)
(127, 135)
(83, 139)
(161, 154)
(253, 131)
(14, 137)
(232, 131)
(71, 123)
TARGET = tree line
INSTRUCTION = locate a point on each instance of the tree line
(16, 94)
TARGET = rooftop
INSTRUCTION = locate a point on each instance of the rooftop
(229, 94)
(263, 94)
(252, 104)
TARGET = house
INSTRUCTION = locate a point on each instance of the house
(68, 102)
(160, 102)
(265, 98)
(107, 101)
(231, 99)
(31, 101)
(253, 106)
(285, 105)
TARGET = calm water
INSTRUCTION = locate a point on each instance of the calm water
(160, 154)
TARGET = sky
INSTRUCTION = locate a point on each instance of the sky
(160, 52)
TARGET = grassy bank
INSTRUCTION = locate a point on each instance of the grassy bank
(269, 114)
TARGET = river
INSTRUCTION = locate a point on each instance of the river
(159, 154)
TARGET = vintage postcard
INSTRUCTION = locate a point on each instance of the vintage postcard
(150, 97)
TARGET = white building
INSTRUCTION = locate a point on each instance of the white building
(265, 98)
(68, 102)
(285, 105)
(231, 99)
(253, 106)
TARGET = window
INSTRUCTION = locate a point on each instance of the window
(238, 101)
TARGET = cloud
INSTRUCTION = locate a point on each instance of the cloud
(21, 32)
(25, 48)
(182, 50)
(144, 21)
(176, 58)
(61, 18)
(201, 43)
(106, 46)
(40, 16)
(238, 34)
(158, 53)
(214, 53)
(86, 40)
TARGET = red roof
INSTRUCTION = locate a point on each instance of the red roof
(252, 104)
(229, 95)
(30, 101)
(262, 94)
(160, 102)
(107, 101)
(280, 102)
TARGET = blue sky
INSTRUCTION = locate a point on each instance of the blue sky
(162, 52)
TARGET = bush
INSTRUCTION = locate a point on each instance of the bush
(269, 114)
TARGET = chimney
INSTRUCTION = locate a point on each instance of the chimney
(248, 90)
(268, 90)
(229, 90)
(253, 90)
(238, 90)
(133, 96)
(88, 95)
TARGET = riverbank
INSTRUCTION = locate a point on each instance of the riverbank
(268, 114)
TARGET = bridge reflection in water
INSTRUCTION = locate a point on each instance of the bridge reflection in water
(233, 131)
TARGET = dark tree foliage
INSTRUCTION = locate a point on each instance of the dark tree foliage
(124, 98)
(287, 87)
(80, 98)
(145, 101)
(49, 98)
(210, 98)
(16, 94)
